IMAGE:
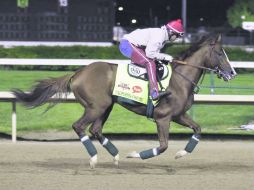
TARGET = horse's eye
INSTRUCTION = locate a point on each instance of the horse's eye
(220, 54)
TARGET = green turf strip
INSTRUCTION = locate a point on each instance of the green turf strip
(212, 118)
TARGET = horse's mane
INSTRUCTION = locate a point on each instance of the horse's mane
(196, 46)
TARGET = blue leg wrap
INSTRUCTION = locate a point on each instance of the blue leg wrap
(89, 146)
(149, 153)
(109, 147)
(192, 143)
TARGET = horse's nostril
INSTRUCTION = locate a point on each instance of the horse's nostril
(233, 73)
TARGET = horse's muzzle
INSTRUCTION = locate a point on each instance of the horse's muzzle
(225, 74)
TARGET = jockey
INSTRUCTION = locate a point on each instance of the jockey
(143, 46)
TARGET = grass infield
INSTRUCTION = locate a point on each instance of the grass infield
(214, 119)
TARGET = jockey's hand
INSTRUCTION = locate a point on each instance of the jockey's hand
(168, 58)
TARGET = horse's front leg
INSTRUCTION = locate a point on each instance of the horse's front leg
(187, 121)
(163, 129)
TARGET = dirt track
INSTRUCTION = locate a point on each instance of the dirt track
(64, 165)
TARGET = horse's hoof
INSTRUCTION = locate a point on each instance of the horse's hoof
(116, 160)
(93, 161)
(133, 155)
(180, 154)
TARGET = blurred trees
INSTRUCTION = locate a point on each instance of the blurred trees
(242, 10)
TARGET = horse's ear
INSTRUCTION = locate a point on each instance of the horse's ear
(218, 38)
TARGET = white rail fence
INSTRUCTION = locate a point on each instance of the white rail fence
(68, 62)
(198, 99)
(60, 62)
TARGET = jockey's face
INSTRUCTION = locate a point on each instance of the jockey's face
(173, 35)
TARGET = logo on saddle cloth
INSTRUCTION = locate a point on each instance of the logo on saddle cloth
(132, 82)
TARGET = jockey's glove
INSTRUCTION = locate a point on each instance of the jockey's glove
(168, 58)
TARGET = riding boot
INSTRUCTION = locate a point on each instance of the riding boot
(153, 85)
(138, 56)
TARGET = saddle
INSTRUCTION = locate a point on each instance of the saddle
(137, 71)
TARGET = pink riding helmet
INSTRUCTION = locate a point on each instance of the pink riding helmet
(176, 26)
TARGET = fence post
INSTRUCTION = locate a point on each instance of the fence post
(14, 122)
(212, 82)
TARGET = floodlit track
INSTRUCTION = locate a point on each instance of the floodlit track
(64, 165)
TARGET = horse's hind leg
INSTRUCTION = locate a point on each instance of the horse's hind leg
(80, 127)
(96, 130)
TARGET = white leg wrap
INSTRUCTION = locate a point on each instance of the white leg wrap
(155, 152)
(194, 137)
(83, 139)
(105, 142)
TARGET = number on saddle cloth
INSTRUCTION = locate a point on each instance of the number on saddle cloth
(140, 72)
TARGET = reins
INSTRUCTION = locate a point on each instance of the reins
(197, 88)
(187, 64)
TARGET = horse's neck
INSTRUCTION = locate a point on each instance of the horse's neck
(191, 74)
(198, 59)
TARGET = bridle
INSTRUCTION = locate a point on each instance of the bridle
(203, 68)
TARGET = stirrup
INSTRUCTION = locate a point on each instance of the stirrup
(160, 95)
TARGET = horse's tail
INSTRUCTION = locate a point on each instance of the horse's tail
(43, 91)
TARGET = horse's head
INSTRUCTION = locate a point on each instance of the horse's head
(218, 60)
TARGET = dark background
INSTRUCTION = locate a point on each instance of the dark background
(213, 12)
(45, 20)
(94, 20)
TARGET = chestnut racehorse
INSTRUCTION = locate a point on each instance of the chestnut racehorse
(93, 86)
